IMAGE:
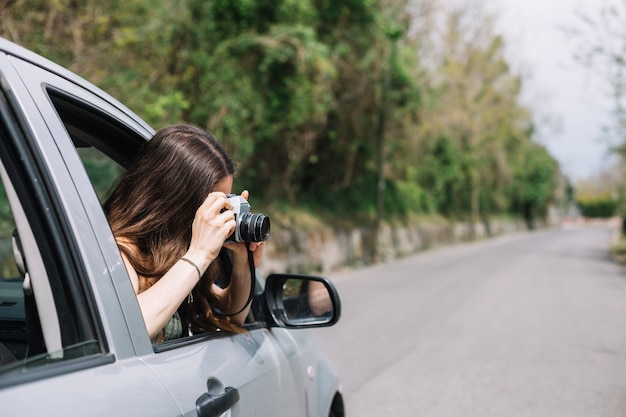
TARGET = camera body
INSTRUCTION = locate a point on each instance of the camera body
(251, 227)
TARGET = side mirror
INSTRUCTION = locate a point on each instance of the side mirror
(301, 301)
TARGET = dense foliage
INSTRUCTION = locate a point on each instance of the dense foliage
(599, 206)
(357, 107)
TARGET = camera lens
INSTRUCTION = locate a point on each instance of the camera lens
(254, 227)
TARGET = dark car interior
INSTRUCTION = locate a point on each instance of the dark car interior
(90, 127)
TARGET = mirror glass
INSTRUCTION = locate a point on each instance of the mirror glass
(306, 301)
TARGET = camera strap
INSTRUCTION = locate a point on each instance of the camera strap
(252, 287)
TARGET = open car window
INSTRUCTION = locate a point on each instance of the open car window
(105, 146)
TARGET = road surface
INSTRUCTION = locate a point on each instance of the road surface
(526, 325)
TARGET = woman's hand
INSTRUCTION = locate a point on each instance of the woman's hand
(213, 224)
(234, 296)
(239, 251)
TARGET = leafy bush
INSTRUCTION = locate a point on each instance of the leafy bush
(600, 206)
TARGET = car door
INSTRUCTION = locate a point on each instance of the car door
(61, 353)
(249, 371)
(212, 364)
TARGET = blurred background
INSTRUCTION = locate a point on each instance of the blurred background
(369, 130)
(369, 113)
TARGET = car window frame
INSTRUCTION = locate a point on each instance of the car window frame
(88, 115)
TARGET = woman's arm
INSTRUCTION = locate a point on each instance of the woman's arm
(211, 226)
(159, 302)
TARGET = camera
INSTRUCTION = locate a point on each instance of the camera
(251, 227)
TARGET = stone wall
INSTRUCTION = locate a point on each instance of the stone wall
(327, 250)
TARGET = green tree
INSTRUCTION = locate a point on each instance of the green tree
(476, 109)
(358, 107)
(256, 75)
(534, 184)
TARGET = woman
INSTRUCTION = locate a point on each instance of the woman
(170, 217)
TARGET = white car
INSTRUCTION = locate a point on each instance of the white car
(72, 338)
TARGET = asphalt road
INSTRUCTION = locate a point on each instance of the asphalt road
(526, 325)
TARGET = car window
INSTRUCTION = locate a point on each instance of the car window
(102, 170)
(44, 321)
(104, 145)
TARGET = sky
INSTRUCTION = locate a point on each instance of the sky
(570, 102)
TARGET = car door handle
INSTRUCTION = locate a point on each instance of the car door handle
(209, 405)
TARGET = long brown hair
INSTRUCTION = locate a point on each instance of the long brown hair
(152, 206)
